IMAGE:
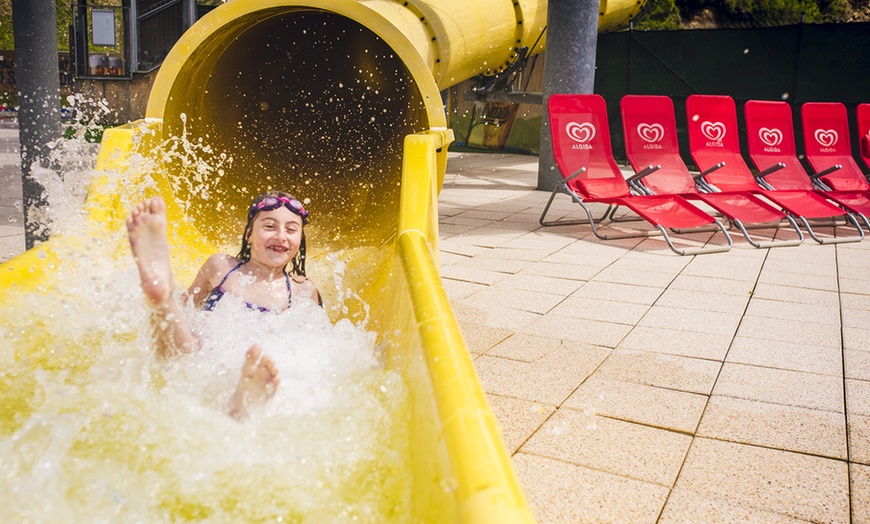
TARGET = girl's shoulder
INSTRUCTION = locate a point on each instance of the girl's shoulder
(303, 281)
(217, 266)
(221, 260)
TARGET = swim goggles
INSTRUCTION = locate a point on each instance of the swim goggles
(271, 202)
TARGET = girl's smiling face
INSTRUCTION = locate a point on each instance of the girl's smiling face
(275, 237)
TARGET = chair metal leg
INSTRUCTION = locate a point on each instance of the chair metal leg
(772, 243)
(563, 188)
(699, 251)
(835, 240)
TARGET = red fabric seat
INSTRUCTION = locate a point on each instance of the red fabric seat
(650, 130)
(827, 143)
(582, 150)
(713, 138)
(863, 115)
(770, 136)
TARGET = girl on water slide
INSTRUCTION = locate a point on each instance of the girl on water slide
(273, 239)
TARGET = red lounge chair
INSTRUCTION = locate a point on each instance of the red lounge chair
(863, 114)
(770, 135)
(581, 148)
(714, 145)
(651, 145)
(828, 148)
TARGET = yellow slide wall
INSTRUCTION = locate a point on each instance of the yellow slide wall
(339, 103)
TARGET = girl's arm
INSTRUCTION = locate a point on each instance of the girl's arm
(206, 279)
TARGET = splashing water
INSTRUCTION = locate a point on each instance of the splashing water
(94, 427)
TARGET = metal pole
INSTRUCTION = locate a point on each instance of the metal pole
(34, 27)
(569, 67)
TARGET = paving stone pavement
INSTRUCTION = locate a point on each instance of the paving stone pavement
(634, 385)
(11, 219)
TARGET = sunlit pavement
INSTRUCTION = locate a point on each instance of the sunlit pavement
(11, 219)
(635, 385)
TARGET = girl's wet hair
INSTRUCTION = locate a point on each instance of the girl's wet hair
(245, 252)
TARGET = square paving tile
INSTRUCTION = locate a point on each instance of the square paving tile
(600, 309)
(692, 375)
(854, 301)
(478, 339)
(607, 334)
(458, 289)
(710, 284)
(860, 494)
(704, 301)
(518, 418)
(779, 386)
(487, 262)
(462, 272)
(856, 318)
(688, 507)
(801, 486)
(694, 321)
(548, 380)
(776, 426)
(506, 318)
(526, 348)
(859, 438)
(507, 297)
(825, 360)
(626, 275)
(788, 293)
(621, 293)
(525, 281)
(640, 260)
(855, 338)
(857, 364)
(731, 266)
(801, 262)
(459, 245)
(632, 402)
(11, 244)
(855, 285)
(804, 332)
(631, 450)
(673, 342)
(579, 273)
(539, 241)
(858, 396)
(793, 312)
(562, 492)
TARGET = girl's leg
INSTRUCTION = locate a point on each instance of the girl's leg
(149, 243)
(258, 383)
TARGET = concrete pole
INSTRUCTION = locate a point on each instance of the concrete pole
(569, 67)
(34, 28)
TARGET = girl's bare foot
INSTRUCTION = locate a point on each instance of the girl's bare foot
(146, 228)
(258, 383)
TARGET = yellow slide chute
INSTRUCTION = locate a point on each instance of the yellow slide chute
(336, 101)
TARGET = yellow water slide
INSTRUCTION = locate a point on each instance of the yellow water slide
(338, 102)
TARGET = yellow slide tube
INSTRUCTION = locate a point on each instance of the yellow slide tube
(338, 102)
